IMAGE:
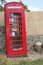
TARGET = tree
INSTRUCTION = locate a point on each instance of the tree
(2, 4)
(20, 1)
(3, 1)
(25, 6)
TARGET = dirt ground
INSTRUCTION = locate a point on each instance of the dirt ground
(34, 55)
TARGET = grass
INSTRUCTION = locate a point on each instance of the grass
(4, 60)
(24, 62)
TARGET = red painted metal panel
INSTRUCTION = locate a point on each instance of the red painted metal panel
(15, 29)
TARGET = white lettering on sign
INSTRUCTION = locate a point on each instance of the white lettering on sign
(13, 7)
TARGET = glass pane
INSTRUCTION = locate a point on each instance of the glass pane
(16, 30)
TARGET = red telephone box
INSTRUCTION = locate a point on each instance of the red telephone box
(15, 29)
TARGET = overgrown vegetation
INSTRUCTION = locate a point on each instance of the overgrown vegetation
(0, 50)
(1, 8)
